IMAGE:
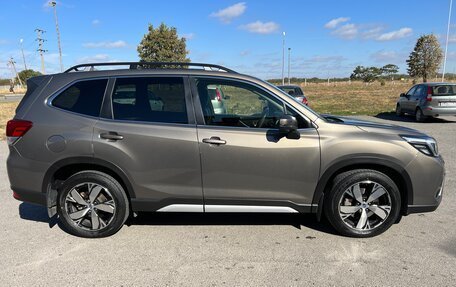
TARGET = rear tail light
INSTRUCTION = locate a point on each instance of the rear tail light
(429, 94)
(16, 129)
(218, 96)
(304, 101)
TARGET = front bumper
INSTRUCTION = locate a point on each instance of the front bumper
(427, 175)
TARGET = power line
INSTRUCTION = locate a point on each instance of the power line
(40, 49)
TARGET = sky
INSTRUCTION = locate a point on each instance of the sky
(327, 38)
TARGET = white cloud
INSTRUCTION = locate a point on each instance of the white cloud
(188, 36)
(105, 45)
(3, 42)
(244, 53)
(394, 35)
(94, 59)
(227, 14)
(96, 22)
(261, 27)
(384, 56)
(347, 31)
(335, 22)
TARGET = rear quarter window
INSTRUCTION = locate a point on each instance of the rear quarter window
(84, 97)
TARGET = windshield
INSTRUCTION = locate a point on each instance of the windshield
(278, 90)
(444, 90)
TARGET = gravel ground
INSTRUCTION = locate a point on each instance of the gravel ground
(234, 250)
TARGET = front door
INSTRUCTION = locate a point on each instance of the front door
(151, 136)
(247, 166)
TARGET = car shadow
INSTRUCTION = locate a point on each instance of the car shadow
(219, 219)
(391, 116)
(39, 213)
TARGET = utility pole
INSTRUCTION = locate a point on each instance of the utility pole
(40, 49)
(12, 63)
(54, 4)
(289, 55)
(283, 58)
(23, 56)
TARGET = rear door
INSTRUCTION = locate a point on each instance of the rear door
(149, 132)
(246, 164)
(406, 102)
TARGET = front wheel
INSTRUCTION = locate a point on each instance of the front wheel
(92, 204)
(419, 116)
(362, 203)
(399, 111)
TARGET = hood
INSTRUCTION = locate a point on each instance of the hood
(374, 127)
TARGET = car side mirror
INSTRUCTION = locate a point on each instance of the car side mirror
(288, 126)
(403, 95)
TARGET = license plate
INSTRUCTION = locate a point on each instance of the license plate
(446, 104)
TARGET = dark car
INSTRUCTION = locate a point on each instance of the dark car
(296, 92)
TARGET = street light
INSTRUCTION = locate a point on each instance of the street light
(54, 4)
(22, 50)
(283, 58)
(446, 44)
(289, 56)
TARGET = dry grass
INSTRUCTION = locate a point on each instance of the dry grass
(7, 111)
(354, 98)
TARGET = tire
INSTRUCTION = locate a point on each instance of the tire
(419, 116)
(92, 204)
(399, 111)
(359, 216)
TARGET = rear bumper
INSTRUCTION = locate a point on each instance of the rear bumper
(29, 196)
(439, 111)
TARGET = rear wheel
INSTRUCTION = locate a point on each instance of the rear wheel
(92, 204)
(419, 116)
(362, 203)
(399, 111)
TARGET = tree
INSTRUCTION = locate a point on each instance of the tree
(426, 57)
(389, 70)
(366, 74)
(26, 74)
(162, 44)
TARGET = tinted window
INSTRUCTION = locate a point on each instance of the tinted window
(444, 90)
(411, 91)
(241, 105)
(83, 97)
(419, 91)
(150, 100)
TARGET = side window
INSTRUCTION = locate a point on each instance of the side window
(150, 99)
(238, 104)
(419, 91)
(411, 91)
(83, 97)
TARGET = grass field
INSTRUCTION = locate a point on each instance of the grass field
(354, 98)
(6, 114)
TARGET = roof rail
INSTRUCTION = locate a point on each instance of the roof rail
(150, 65)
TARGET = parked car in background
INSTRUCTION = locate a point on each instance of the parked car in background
(217, 99)
(296, 92)
(428, 100)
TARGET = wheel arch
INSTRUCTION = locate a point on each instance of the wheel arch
(385, 165)
(64, 168)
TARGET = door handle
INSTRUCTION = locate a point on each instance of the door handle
(214, 140)
(113, 136)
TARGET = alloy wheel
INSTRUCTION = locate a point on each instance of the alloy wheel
(90, 206)
(365, 205)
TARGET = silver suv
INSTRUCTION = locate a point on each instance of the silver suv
(428, 100)
(95, 146)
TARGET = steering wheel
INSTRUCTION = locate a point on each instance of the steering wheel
(263, 117)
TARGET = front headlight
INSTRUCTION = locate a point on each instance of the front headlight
(426, 145)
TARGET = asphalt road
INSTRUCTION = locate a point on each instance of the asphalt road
(233, 250)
